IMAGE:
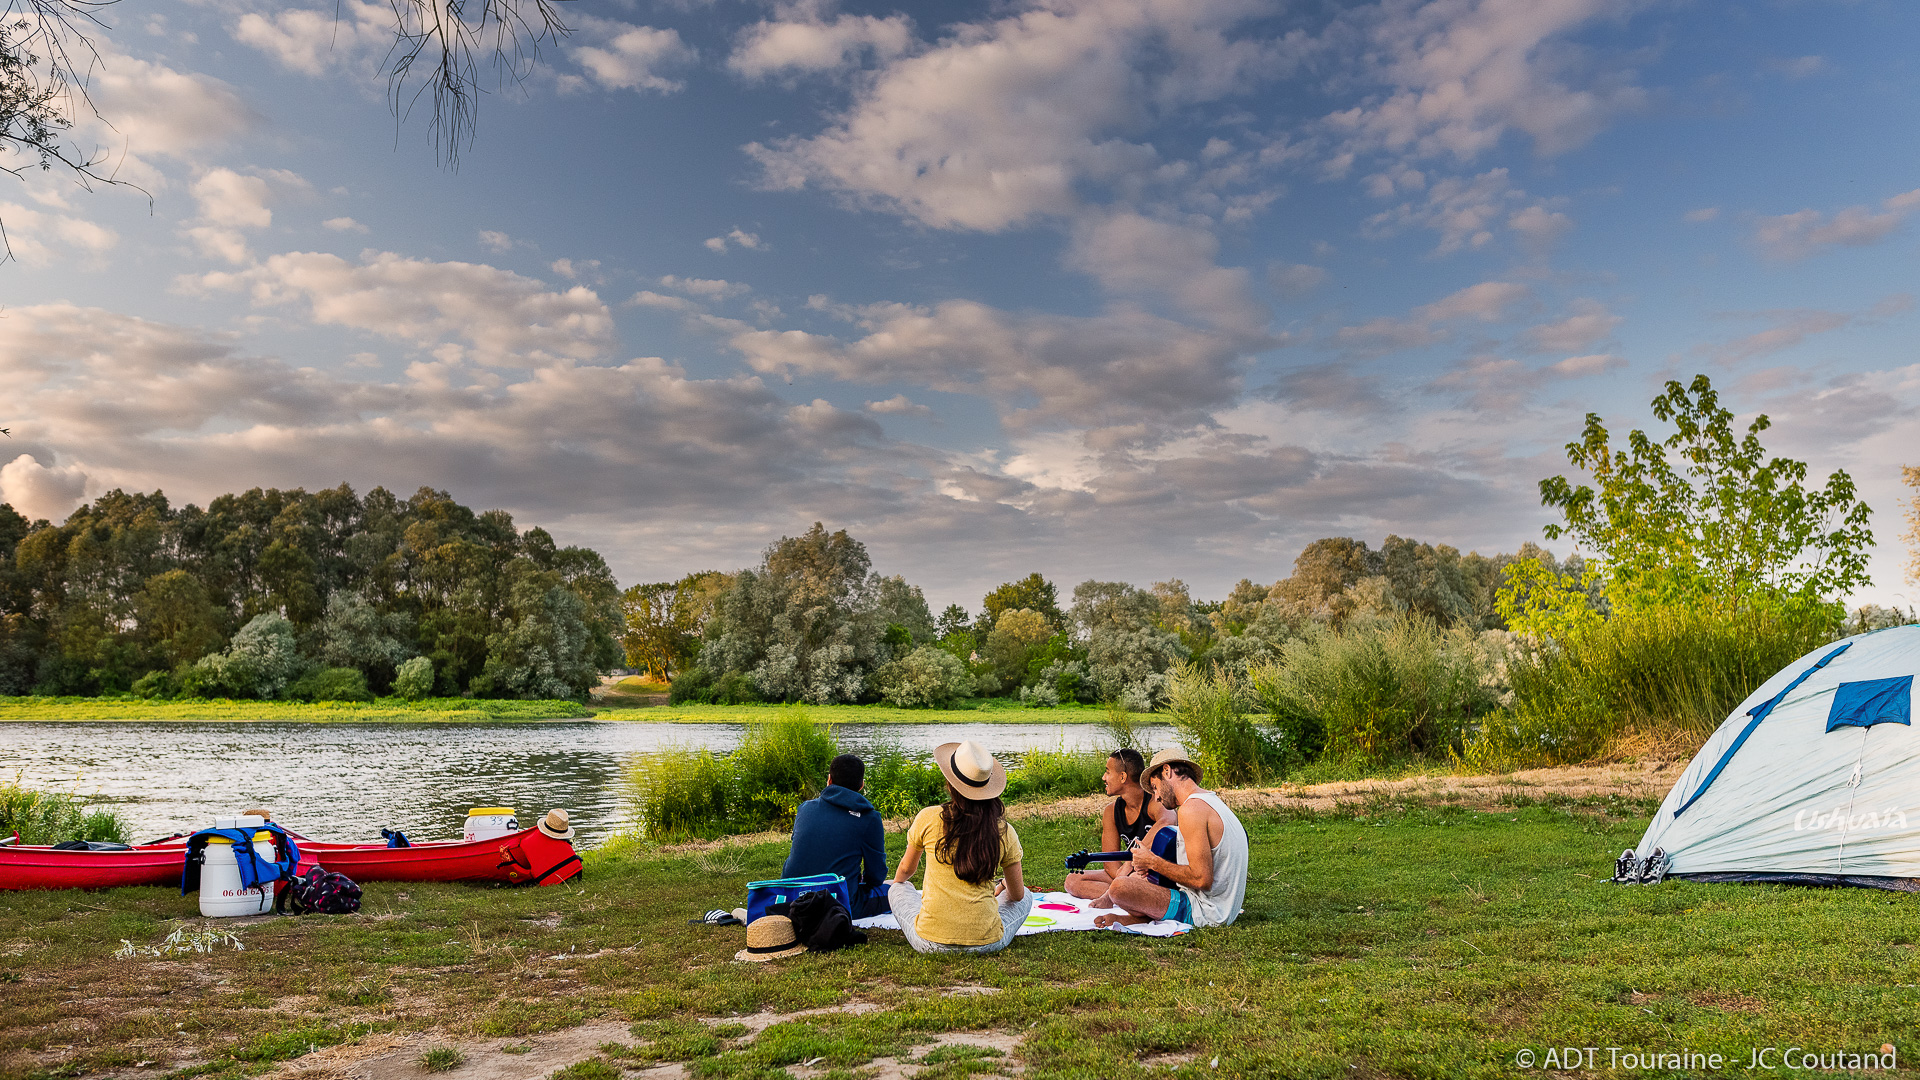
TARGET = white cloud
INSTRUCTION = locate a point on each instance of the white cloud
(1790, 237)
(1125, 367)
(147, 108)
(142, 405)
(1131, 254)
(37, 237)
(505, 319)
(1464, 212)
(1580, 367)
(311, 40)
(706, 288)
(1791, 327)
(1463, 73)
(784, 46)
(899, 405)
(1539, 227)
(649, 298)
(1006, 120)
(228, 202)
(39, 492)
(344, 224)
(1590, 322)
(1295, 279)
(1489, 301)
(737, 237)
(576, 270)
(628, 57)
(497, 241)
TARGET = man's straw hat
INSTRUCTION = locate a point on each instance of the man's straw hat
(555, 825)
(770, 937)
(1168, 756)
(971, 770)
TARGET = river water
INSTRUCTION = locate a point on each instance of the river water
(348, 781)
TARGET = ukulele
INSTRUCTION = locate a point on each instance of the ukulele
(1163, 845)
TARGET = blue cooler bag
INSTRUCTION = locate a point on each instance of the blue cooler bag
(763, 895)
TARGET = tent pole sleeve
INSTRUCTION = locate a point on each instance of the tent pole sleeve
(1758, 712)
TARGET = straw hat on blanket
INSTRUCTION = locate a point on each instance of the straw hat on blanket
(971, 770)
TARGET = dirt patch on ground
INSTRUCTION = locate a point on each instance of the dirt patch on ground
(1647, 779)
(997, 1049)
(755, 1023)
(398, 1058)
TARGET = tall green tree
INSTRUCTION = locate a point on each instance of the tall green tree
(1033, 593)
(664, 621)
(1708, 514)
(804, 625)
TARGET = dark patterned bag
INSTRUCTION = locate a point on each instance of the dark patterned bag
(319, 892)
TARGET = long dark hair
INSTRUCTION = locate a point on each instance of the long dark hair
(970, 836)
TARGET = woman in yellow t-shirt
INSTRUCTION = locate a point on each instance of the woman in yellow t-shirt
(969, 842)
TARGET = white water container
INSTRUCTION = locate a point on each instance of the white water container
(220, 893)
(490, 823)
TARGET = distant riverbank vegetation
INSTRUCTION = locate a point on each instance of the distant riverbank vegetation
(387, 710)
(295, 596)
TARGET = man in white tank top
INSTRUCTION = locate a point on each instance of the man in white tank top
(1209, 868)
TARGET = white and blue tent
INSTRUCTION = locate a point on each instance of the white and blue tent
(1814, 779)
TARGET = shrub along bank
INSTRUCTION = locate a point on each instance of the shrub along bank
(53, 817)
(783, 761)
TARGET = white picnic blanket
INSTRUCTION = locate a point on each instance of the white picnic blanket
(1053, 912)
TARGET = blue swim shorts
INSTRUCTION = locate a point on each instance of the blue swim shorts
(1180, 908)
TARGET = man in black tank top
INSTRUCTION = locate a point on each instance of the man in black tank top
(1130, 816)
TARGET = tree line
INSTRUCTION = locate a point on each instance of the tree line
(276, 593)
(813, 622)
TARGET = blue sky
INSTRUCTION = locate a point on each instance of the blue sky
(1134, 289)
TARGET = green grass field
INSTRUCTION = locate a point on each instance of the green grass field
(1411, 940)
(385, 710)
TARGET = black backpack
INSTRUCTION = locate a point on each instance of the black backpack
(821, 923)
(319, 892)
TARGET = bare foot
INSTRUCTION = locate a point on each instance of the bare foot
(1104, 921)
(1101, 902)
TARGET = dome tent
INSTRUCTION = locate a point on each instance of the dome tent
(1814, 779)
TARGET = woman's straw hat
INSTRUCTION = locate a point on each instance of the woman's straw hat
(555, 825)
(1168, 756)
(770, 937)
(971, 770)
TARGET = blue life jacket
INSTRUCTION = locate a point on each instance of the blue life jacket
(255, 871)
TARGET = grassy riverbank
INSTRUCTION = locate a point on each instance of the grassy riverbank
(1432, 935)
(992, 711)
(385, 711)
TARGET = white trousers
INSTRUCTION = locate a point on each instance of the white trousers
(905, 900)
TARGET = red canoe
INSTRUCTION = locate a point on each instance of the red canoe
(45, 868)
(525, 858)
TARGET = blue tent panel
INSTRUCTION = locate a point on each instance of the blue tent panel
(1758, 712)
(1875, 701)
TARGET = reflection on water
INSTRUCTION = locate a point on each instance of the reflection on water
(348, 781)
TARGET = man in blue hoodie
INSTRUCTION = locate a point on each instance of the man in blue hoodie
(840, 833)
